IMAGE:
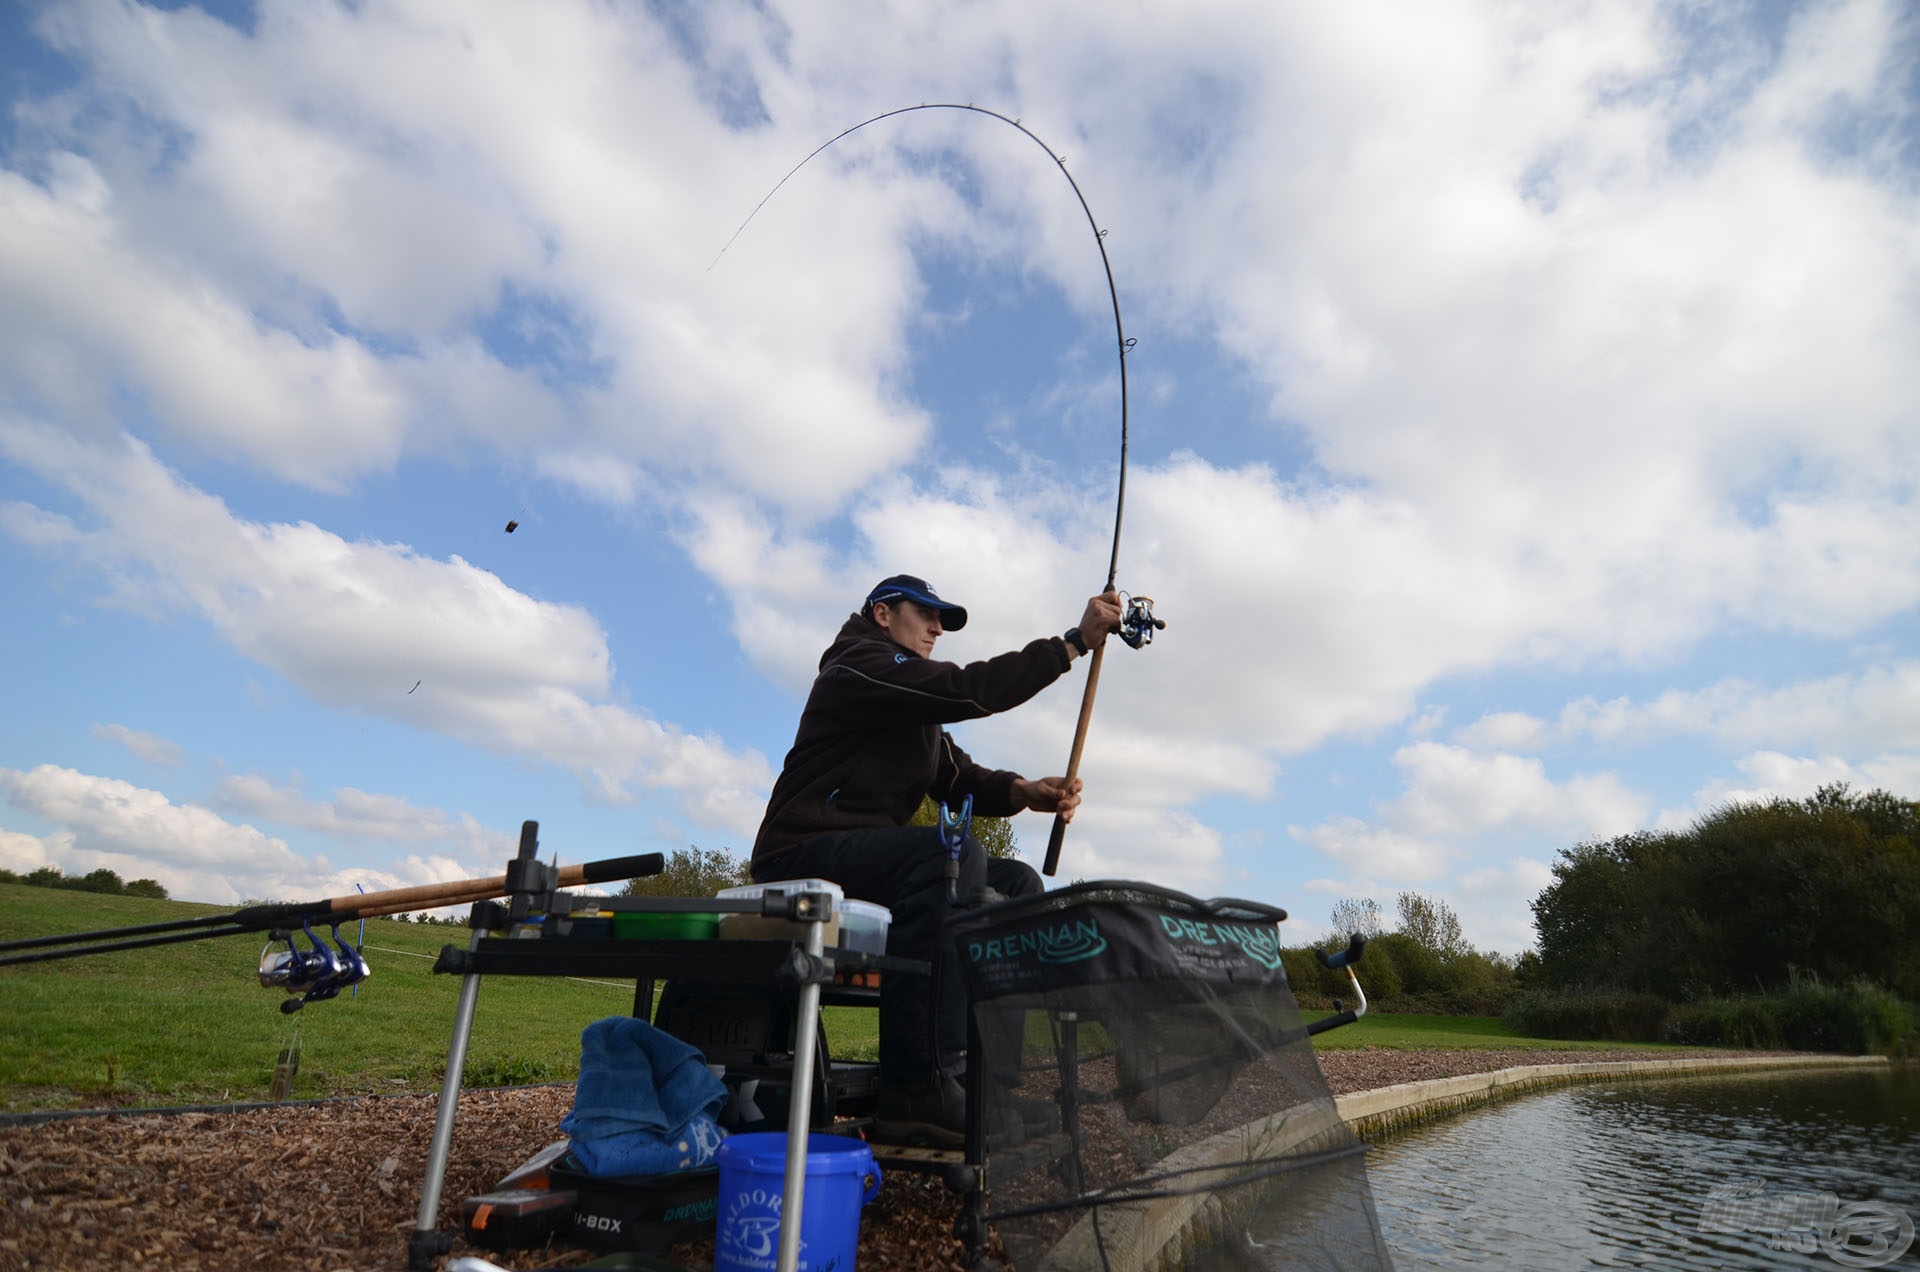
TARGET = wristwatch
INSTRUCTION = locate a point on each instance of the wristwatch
(1073, 638)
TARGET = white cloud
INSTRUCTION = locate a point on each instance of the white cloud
(87, 315)
(1769, 775)
(1553, 357)
(1593, 345)
(1458, 807)
(363, 814)
(1456, 793)
(109, 824)
(366, 199)
(148, 746)
(1503, 731)
(1375, 851)
(1873, 708)
(1585, 397)
(1159, 846)
(23, 853)
(1494, 902)
(358, 625)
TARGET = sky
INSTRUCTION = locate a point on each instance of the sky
(1524, 423)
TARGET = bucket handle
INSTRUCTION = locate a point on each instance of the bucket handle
(870, 1184)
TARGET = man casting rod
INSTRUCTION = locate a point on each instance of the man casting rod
(1058, 833)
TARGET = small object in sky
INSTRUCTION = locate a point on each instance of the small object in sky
(416, 685)
(512, 526)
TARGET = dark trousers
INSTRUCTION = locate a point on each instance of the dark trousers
(923, 1021)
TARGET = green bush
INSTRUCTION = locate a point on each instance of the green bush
(1590, 1014)
(1315, 987)
(1379, 972)
(1469, 1001)
(1418, 969)
(1809, 1016)
(1303, 975)
(1400, 975)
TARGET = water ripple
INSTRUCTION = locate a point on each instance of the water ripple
(1617, 1176)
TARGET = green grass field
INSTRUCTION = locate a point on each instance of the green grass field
(190, 1024)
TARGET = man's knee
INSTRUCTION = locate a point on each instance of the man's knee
(1013, 878)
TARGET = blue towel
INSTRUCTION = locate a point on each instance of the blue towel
(645, 1103)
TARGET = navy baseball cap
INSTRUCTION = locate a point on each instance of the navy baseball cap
(905, 587)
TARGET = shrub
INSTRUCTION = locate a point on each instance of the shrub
(1418, 969)
(1316, 986)
(1590, 1014)
(1809, 1016)
(1466, 984)
(1303, 975)
(1378, 970)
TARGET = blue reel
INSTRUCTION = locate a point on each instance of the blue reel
(314, 974)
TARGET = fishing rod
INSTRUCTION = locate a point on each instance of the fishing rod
(524, 875)
(1138, 622)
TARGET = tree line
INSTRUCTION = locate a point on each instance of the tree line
(1790, 923)
(1750, 898)
(1424, 963)
(104, 881)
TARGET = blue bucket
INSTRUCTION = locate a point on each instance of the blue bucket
(841, 1178)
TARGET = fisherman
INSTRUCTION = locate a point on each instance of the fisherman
(869, 748)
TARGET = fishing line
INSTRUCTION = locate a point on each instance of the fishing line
(1137, 614)
(1122, 343)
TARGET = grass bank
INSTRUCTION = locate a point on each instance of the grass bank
(190, 1024)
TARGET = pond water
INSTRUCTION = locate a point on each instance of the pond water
(1620, 1175)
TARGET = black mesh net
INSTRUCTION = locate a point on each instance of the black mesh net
(1151, 1099)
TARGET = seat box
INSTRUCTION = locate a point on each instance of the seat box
(647, 1213)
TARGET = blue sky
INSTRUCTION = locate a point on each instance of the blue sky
(1524, 423)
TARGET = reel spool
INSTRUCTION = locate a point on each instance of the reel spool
(315, 974)
(1137, 624)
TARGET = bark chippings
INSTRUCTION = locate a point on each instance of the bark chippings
(334, 1186)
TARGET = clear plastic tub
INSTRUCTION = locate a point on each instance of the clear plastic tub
(756, 927)
(863, 926)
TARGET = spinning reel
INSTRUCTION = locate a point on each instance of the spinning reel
(1137, 624)
(316, 974)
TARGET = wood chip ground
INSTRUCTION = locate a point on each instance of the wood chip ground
(334, 1186)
